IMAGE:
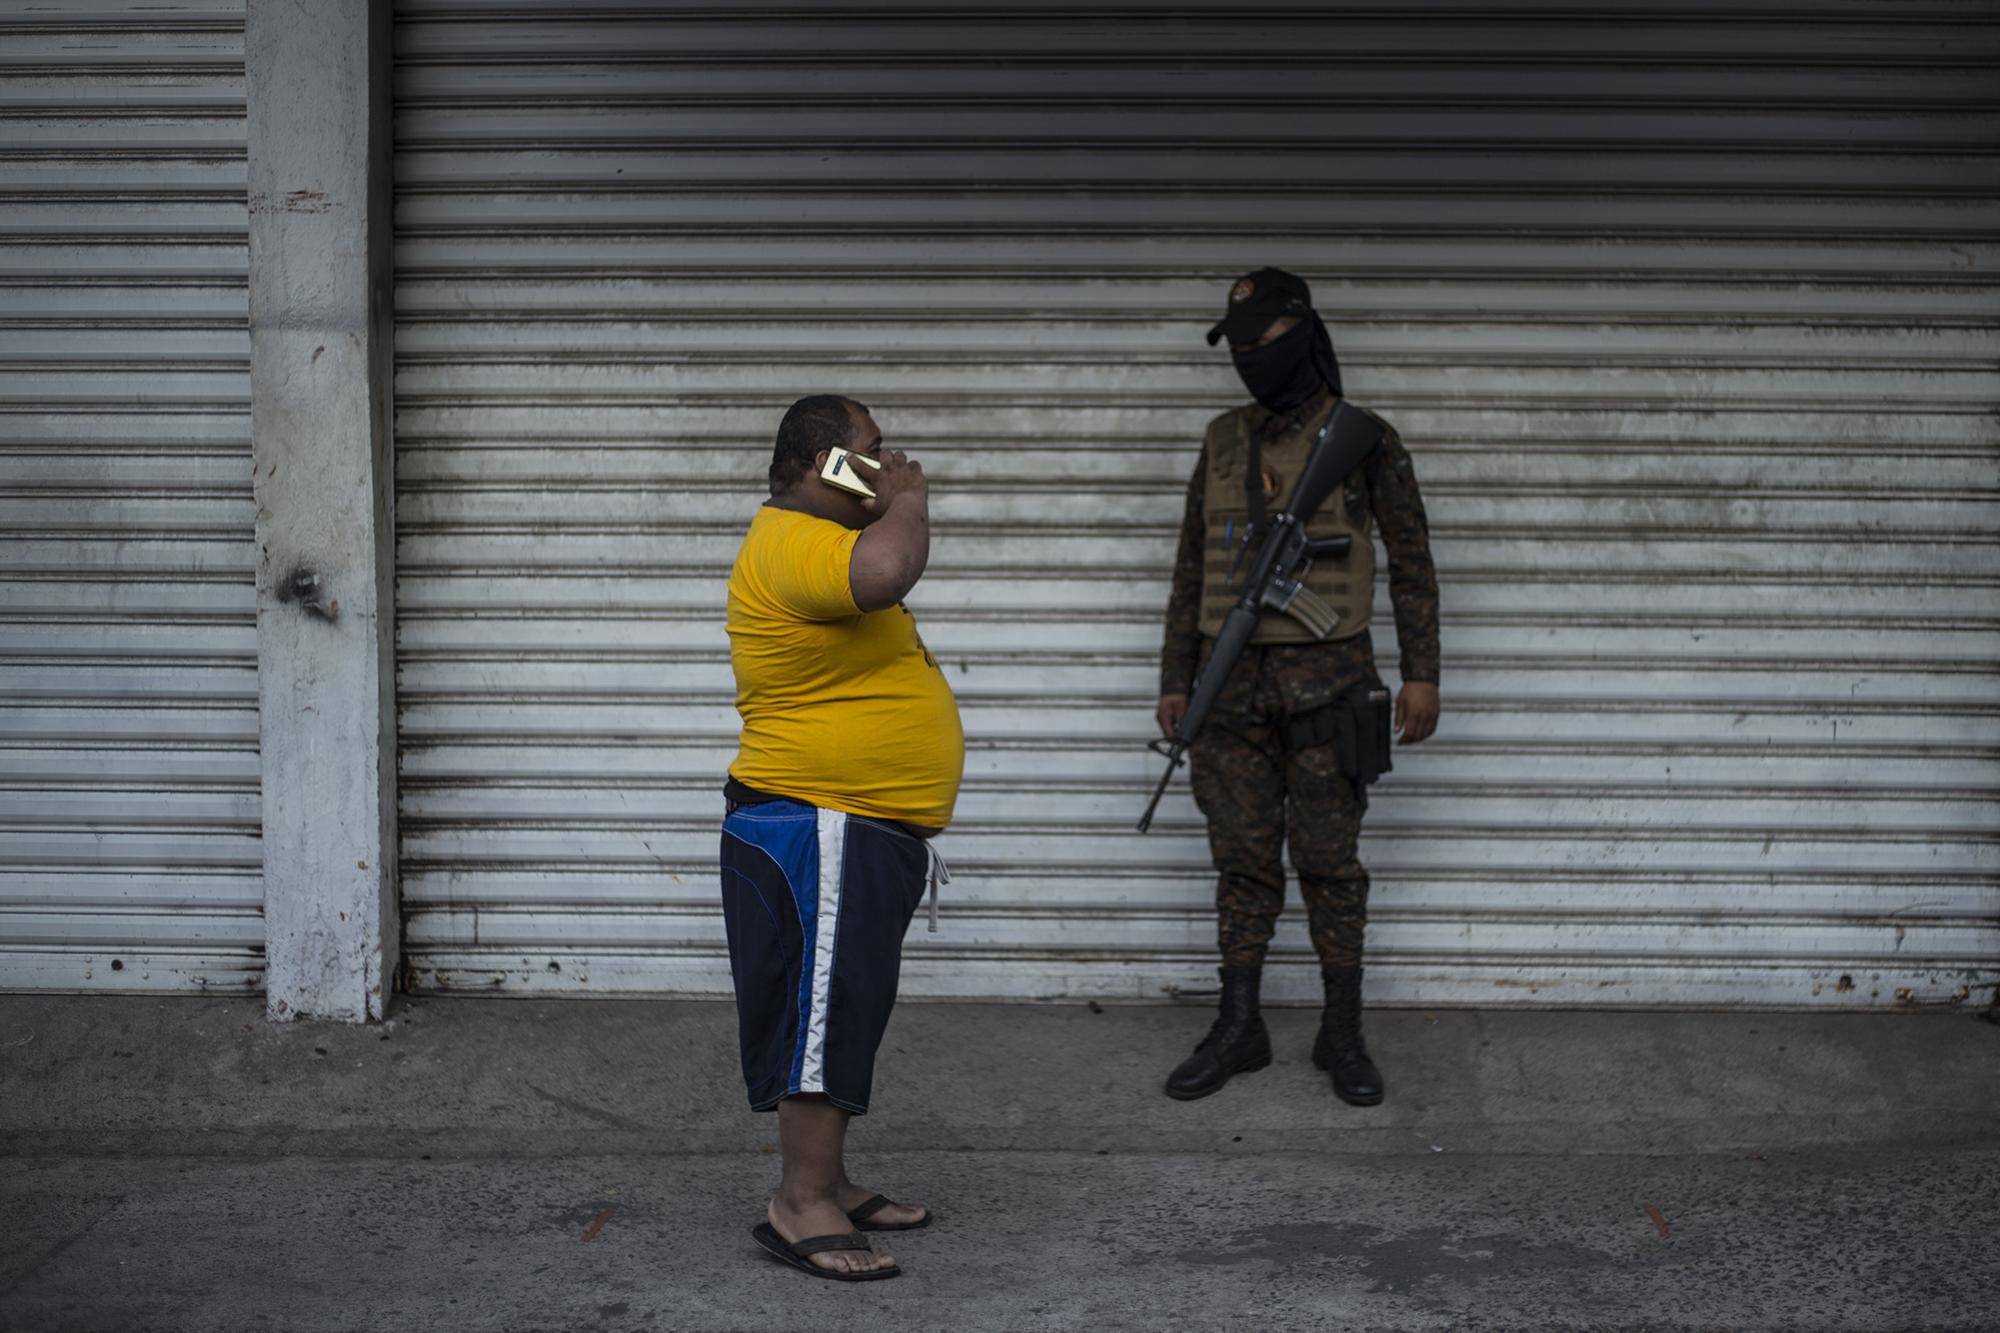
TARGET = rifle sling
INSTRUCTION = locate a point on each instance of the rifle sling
(1253, 478)
(1253, 474)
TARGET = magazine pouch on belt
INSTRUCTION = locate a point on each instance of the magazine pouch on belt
(1358, 724)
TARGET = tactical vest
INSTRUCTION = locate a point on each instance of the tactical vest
(1346, 584)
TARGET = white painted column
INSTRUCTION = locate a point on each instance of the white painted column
(320, 367)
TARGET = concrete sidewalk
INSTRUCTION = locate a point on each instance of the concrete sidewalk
(183, 1165)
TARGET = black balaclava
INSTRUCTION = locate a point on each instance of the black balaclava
(1285, 375)
(1280, 374)
(1286, 372)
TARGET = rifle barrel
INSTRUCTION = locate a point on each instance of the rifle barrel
(1173, 762)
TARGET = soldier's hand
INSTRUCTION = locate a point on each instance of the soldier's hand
(1173, 707)
(1416, 711)
(899, 475)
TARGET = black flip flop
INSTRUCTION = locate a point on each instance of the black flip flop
(860, 1214)
(799, 1255)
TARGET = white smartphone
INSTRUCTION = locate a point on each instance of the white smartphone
(842, 468)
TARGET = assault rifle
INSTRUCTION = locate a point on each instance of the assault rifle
(1277, 576)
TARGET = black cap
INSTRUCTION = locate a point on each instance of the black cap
(1256, 300)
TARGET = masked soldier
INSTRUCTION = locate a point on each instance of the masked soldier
(1264, 765)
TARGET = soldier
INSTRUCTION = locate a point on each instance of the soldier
(1261, 765)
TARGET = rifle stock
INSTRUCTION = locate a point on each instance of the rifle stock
(1347, 439)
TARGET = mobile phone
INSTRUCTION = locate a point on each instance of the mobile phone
(842, 469)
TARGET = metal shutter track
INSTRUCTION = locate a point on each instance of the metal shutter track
(1688, 313)
(129, 855)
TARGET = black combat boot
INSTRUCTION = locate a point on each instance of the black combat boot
(1339, 1049)
(1236, 1044)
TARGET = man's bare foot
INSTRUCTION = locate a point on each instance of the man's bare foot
(796, 1220)
(852, 1196)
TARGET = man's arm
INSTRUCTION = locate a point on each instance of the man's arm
(892, 552)
(1182, 647)
(1413, 591)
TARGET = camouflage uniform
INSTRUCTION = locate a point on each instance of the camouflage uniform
(1243, 775)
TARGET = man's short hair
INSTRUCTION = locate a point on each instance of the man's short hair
(818, 421)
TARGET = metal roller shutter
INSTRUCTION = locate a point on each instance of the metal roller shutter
(129, 855)
(1687, 313)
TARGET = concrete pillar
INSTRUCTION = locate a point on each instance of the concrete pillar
(320, 365)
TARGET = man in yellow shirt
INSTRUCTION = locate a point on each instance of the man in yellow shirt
(850, 759)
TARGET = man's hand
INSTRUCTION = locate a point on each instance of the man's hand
(895, 547)
(1416, 711)
(898, 476)
(1173, 707)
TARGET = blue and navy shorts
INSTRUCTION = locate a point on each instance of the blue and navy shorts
(816, 903)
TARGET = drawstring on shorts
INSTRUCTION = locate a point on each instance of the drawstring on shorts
(939, 874)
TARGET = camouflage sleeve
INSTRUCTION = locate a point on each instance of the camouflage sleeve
(1413, 589)
(1182, 648)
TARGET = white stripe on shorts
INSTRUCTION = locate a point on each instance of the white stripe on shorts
(826, 922)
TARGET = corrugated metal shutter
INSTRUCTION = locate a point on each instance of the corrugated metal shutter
(128, 664)
(1687, 313)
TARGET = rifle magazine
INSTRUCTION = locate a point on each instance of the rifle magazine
(1310, 610)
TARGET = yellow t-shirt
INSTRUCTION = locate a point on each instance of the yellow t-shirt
(842, 708)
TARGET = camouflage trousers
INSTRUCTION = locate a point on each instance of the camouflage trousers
(1256, 791)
